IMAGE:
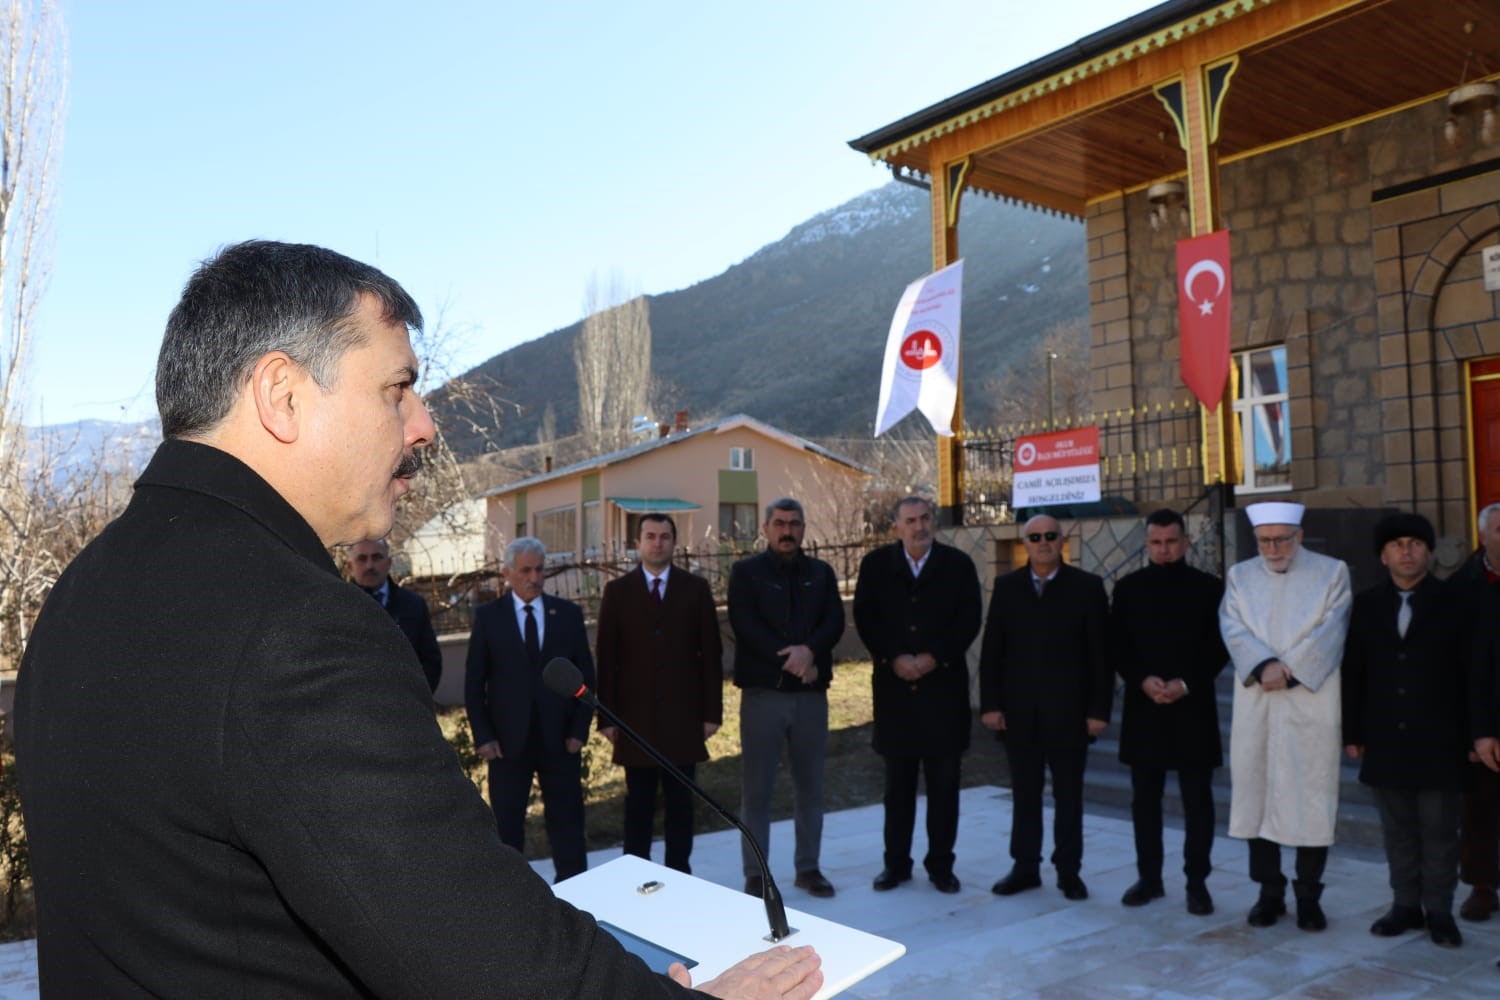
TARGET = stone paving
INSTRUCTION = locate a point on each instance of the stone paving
(1037, 944)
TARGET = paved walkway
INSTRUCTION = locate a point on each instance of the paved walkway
(1037, 944)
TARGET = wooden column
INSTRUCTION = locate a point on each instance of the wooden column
(947, 189)
(1194, 103)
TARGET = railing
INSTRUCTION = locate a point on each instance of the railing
(1146, 452)
(452, 600)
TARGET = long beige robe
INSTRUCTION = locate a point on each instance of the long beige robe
(1284, 746)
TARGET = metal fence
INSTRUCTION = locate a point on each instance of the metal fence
(453, 599)
(1145, 452)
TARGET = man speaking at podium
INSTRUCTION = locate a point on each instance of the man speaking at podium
(234, 784)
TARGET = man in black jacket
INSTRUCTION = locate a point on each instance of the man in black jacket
(1476, 584)
(370, 567)
(917, 607)
(1046, 683)
(234, 784)
(1169, 651)
(787, 615)
(1405, 719)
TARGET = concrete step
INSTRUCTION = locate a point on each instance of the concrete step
(1107, 781)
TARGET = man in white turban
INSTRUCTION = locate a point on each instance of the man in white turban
(1284, 616)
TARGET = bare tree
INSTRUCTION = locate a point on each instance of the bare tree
(33, 85)
(1022, 395)
(612, 356)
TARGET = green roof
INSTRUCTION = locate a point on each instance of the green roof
(646, 505)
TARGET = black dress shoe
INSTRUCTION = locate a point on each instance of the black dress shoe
(1310, 915)
(945, 882)
(1143, 892)
(754, 886)
(888, 880)
(1072, 887)
(1266, 910)
(1199, 902)
(814, 883)
(1443, 930)
(1398, 920)
(1016, 881)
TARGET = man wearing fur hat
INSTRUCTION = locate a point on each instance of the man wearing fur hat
(1405, 719)
(1283, 617)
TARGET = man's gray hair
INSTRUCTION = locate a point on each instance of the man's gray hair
(1484, 518)
(255, 298)
(785, 503)
(523, 546)
(912, 498)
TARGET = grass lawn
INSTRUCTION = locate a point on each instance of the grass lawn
(854, 773)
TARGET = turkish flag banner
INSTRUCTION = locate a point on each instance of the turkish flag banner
(1203, 297)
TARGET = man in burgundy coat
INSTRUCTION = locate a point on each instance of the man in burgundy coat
(660, 663)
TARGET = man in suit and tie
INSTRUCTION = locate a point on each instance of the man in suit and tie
(1406, 720)
(917, 608)
(1046, 684)
(369, 566)
(661, 669)
(519, 726)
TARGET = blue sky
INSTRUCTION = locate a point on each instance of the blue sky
(491, 156)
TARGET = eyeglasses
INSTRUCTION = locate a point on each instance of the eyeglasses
(1037, 536)
(1275, 541)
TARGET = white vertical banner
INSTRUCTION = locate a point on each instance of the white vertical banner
(921, 352)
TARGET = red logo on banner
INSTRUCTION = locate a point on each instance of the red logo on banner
(921, 350)
(1203, 296)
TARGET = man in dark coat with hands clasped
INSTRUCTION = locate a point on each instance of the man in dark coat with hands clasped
(917, 608)
(1164, 624)
(1046, 683)
(1405, 718)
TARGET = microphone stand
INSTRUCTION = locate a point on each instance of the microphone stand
(572, 686)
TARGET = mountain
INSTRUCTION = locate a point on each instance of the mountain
(117, 448)
(795, 334)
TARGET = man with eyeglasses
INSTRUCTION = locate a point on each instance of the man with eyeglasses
(1284, 617)
(1046, 684)
(787, 615)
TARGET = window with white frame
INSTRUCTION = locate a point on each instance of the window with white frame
(557, 529)
(1263, 415)
(742, 458)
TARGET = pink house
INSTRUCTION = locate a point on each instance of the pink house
(713, 479)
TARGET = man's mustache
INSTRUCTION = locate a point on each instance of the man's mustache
(411, 464)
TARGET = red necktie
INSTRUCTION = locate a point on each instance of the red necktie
(656, 589)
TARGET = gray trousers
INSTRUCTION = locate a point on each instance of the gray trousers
(1421, 845)
(767, 718)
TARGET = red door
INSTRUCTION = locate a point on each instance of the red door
(1484, 394)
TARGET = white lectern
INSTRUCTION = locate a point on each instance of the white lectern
(662, 915)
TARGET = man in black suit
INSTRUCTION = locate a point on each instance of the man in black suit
(1406, 720)
(370, 567)
(1164, 626)
(519, 726)
(233, 783)
(1045, 682)
(917, 608)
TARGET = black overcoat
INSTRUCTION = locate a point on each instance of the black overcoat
(938, 612)
(409, 609)
(661, 667)
(235, 785)
(1164, 622)
(1404, 698)
(1043, 662)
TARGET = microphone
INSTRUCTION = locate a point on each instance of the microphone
(563, 678)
